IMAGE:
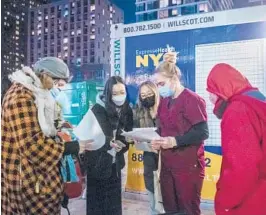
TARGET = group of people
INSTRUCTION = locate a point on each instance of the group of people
(31, 149)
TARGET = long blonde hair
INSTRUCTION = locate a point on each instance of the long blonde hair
(145, 116)
(168, 67)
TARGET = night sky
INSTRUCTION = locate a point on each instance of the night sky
(128, 6)
(129, 9)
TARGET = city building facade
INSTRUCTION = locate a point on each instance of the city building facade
(77, 31)
(14, 33)
(160, 9)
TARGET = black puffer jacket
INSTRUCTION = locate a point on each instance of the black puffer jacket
(98, 163)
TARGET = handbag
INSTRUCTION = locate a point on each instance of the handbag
(157, 188)
(74, 187)
(71, 172)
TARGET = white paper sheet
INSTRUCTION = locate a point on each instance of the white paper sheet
(144, 146)
(142, 134)
(90, 129)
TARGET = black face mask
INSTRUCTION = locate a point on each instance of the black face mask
(148, 102)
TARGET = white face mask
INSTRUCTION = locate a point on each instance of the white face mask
(119, 100)
(213, 98)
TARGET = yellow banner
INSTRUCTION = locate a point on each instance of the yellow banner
(212, 174)
(135, 178)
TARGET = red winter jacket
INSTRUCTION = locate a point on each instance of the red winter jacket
(241, 189)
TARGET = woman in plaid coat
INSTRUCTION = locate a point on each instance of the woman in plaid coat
(31, 183)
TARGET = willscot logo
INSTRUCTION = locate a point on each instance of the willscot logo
(194, 21)
(117, 58)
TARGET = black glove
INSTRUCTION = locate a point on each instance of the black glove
(71, 148)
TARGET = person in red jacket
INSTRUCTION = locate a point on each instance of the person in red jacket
(241, 189)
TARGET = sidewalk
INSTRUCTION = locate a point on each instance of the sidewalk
(130, 207)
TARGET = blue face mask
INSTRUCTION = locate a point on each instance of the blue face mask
(55, 92)
(61, 98)
(166, 91)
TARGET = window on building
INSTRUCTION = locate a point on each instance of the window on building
(92, 45)
(140, 18)
(163, 14)
(164, 3)
(189, 10)
(92, 37)
(92, 7)
(78, 39)
(99, 30)
(66, 13)
(92, 52)
(79, 32)
(174, 12)
(78, 4)
(85, 9)
(103, 53)
(203, 8)
(79, 17)
(150, 16)
(58, 48)
(65, 26)
(85, 38)
(175, 2)
(85, 30)
(92, 59)
(52, 9)
(103, 12)
(92, 22)
(99, 2)
(140, 7)
(78, 61)
(85, 45)
(99, 60)
(72, 19)
(152, 5)
(85, 52)
(72, 40)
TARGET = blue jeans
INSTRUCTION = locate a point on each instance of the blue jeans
(152, 203)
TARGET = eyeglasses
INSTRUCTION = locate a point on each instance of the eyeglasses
(60, 82)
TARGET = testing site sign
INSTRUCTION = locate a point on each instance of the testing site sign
(236, 37)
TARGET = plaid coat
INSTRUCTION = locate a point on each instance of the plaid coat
(31, 182)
